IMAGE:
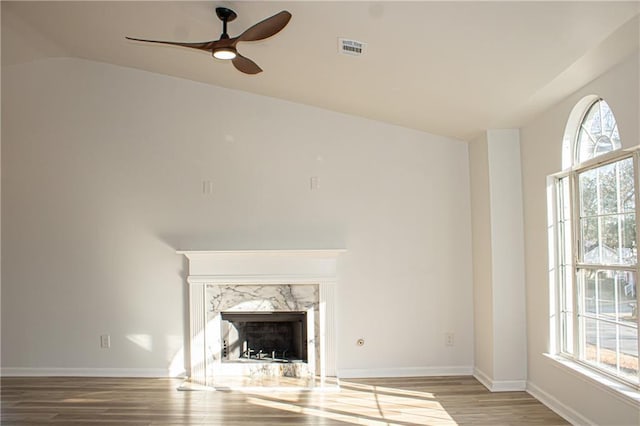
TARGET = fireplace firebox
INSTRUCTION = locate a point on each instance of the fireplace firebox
(279, 337)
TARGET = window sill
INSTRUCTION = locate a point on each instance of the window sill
(625, 393)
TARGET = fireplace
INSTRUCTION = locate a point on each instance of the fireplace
(266, 330)
(287, 297)
(279, 337)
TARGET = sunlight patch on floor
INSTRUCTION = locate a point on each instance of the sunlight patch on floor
(349, 418)
(367, 405)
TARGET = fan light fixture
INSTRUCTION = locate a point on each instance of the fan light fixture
(225, 47)
(225, 53)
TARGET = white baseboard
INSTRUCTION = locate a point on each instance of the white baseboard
(482, 378)
(357, 373)
(558, 407)
(499, 385)
(83, 372)
(509, 386)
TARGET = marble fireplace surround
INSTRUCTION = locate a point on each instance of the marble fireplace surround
(260, 280)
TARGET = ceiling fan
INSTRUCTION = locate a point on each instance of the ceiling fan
(225, 47)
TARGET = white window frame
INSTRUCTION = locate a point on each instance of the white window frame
(573, 354)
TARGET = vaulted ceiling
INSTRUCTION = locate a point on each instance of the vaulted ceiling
(449, 68)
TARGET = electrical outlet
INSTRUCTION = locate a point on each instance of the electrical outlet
(449, 339)
(105, 341)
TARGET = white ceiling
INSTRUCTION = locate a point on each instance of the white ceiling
(449, 68)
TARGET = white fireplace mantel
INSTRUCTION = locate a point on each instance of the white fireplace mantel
(261, 267)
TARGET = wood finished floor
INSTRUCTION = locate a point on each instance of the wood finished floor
(135, 401)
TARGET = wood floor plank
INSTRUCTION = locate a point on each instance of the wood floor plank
(436, 401)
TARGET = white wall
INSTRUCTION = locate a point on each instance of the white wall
(541, 148)
(102, 182)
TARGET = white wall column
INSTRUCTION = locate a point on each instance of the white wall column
(498, 252)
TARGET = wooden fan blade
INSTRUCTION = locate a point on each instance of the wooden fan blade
(245, 65)
(203, 45)
(266, 28)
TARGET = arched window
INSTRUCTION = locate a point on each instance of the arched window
(598, 133)
(596, 245)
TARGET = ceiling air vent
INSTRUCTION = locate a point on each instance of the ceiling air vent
(351, 47)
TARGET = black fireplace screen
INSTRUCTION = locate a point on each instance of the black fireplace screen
(264, 336)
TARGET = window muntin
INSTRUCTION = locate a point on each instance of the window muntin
(608, 330)
(607, 214)
(598, 133)
(595, 221)
(565, 266)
